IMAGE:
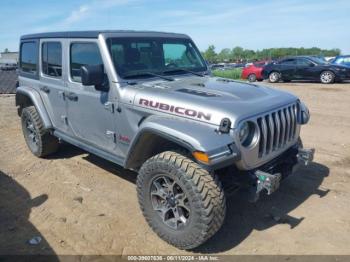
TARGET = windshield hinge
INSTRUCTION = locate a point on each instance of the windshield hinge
(109, 106)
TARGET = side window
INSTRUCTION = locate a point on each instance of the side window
(117, 51)
(29, 57)
(52, 59)
(346, 60)
(303, 62)
(83, 54)
(288, 62)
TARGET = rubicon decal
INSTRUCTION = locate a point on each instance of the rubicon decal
(175, 109)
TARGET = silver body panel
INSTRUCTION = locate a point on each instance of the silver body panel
(188, 109)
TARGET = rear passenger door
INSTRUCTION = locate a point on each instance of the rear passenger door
(287, 68)
(91, 115)
(52, 81)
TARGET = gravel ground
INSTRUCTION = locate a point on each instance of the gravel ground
(78, 203)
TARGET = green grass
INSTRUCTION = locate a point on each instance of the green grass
(232, 73)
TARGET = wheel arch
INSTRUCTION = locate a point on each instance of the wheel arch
(151, 142)
(26, 96)
(159, 133)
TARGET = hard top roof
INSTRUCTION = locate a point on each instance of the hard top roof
(95, 34)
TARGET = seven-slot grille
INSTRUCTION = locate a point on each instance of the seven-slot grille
(277, 129)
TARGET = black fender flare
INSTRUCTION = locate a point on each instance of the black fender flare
(25, 94)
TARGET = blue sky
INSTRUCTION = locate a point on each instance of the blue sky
(251, 24)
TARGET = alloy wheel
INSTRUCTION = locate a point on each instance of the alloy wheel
(326, 77)
(32, 134)
(274, 77)
(170, 202)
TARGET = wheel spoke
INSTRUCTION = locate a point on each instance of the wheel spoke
(159, 190)
(178, 215)
(181, 198)
(30, 127)
(163, 210)
(169, 184)
(159, 194)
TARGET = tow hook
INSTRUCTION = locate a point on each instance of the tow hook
(270, 182)
(305, 155)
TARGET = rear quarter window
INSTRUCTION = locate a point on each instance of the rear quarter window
(29, 57)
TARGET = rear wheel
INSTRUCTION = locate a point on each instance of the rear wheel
(182, 202)
(252, 78)
(327, 77)
(39, 140)
(274, 77)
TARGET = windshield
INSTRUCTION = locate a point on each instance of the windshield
(135, 57)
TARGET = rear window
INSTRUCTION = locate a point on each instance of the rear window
(262, 64)
(29, 57)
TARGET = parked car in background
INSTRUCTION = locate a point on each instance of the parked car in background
(341, 60)
(6, 65)
(305, 68)
(253, 71)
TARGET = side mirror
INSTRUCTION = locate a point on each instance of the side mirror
(93, 75)
(311, 65)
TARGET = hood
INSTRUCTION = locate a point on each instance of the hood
(210, 99)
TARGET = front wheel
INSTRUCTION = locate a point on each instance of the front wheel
(274, 77)
(182, 202)
(252, 78)
(327, 77)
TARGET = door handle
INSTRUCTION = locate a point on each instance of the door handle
(72, 96)
(45, 89)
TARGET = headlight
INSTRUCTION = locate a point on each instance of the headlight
(303, 114)
(246, 133)
(243, 132)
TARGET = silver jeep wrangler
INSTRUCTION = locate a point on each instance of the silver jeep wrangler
(148, 102)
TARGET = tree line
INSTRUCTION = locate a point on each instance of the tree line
(239, 54)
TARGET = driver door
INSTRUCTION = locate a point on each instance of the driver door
(305, 69)
(91, 116)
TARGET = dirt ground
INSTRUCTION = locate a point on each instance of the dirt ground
(81, 204)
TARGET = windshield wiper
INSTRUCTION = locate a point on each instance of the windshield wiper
(183, 70)
(149, 74)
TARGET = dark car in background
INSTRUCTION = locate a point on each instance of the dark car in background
(342, 60)
(305, 68)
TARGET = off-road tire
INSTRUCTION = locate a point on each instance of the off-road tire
(205, 195)
(46, 143)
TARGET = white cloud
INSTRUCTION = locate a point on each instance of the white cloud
(87, 10)
(77, 15)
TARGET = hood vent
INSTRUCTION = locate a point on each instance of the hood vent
(197, 93)
(198, 84)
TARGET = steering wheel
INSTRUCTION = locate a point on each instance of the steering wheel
(171, 65)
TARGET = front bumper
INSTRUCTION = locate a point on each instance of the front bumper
(268, 177)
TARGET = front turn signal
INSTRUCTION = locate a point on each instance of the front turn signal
(201, 156)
